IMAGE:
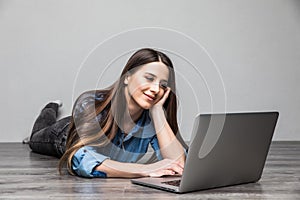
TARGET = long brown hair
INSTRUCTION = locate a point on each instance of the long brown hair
(85, 129)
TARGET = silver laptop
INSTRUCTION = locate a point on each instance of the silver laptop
(226, 149)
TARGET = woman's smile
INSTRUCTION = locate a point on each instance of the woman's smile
(150, 97)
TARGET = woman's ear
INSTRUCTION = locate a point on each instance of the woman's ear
(127, 77)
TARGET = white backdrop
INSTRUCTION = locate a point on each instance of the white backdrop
(255, 46)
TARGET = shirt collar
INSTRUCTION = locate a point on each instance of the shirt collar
(143, 128)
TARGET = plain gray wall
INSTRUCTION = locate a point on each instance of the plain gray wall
(255, 46)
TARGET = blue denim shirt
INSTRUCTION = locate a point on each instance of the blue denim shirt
(129, 148)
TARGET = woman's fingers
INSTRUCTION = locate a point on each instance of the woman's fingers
(164, 97)
(176, 168)
(166, 167)
(162, 172)
(166, 94)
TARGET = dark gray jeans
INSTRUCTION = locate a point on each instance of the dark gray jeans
(49, 135)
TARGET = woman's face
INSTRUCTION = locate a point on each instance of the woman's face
(147, 85)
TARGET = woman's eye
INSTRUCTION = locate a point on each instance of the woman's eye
(149, 78)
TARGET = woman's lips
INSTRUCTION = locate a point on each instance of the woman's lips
(151, 98)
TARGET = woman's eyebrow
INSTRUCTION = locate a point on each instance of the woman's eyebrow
(155, 76)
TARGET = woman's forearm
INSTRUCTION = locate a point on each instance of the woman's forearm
(170, 147)
(133, 170)
(118, 169)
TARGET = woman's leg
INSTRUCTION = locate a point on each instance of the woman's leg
(48, 135)
(46, 118)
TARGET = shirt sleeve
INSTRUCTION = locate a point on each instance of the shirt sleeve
(155, 146)
(85, 160)
(85, 101)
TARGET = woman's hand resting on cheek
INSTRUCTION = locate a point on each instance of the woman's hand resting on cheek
(160, 103)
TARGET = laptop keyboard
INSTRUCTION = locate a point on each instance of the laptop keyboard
(174, 183)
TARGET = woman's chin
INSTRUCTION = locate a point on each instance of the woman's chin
(146, 105)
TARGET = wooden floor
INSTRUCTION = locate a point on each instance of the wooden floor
(24, 175)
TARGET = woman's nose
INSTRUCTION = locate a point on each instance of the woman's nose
(154, 87)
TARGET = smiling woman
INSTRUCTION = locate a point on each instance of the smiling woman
(110, 129)
(147, 85)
